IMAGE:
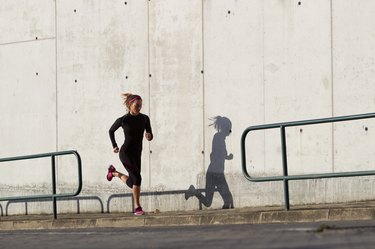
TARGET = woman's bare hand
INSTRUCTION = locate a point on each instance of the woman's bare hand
(148, 136)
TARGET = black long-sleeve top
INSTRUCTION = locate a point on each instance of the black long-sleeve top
(134, 127)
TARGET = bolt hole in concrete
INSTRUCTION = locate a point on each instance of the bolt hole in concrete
(366, 128)
(299, 3)
(75, 81)
(37, 73)
(36, 38)
(228, 11)
(126, 3)
(75, 10)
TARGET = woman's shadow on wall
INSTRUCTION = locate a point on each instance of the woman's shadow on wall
(215, 178)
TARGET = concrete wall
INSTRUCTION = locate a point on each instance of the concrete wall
(64, 64)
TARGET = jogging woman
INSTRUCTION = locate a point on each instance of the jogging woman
(134, 125)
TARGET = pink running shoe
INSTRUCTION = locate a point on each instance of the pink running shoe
(111, 169)
(139, 211)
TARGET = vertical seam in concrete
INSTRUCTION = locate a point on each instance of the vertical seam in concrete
(264, 90)
(56, 79)
(149, 86)
(203, 93)
(332, 88)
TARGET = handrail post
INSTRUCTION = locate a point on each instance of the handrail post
(285, 166)
(54, 186)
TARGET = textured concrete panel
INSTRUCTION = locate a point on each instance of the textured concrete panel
(25, 20)
(297, 74)
(354, 71)
(353, 56)
(102, 52)
(27, 107)
(297, 64)
(233, 81)
(176, 92)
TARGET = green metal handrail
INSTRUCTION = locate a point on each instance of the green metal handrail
(285, 177)
(54, 196)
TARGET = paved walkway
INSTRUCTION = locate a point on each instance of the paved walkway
(258, 215)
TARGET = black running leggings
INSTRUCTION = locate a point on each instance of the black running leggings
(132, 164)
